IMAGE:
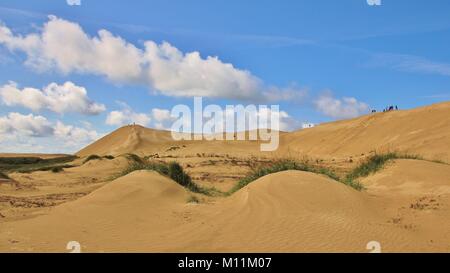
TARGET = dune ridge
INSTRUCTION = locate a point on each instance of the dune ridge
(424, 131)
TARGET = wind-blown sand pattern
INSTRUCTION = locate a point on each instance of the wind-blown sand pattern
(405, 206)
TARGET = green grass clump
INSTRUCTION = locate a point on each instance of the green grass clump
(373, 164)
(173, 170)
(92, 157)
(279, 166)
(32, 164)
(97, 157)
(45, 168)
(57, 169)
(177, 173)
(150, 166)
(135, 158)
(376, 162)
(20, 160)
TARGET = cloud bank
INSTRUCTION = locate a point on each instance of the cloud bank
(20, 131)
(64, 46)
(161, 119)
(64, 98)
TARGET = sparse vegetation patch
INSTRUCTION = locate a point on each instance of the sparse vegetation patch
(57, 169)
(32, 164)
(173, 170)
(92, 157)
(283, 165)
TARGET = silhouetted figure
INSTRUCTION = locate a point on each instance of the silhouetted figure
(396, 107)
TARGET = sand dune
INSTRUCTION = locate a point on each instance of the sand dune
(424, 131)
(128, 139)
(411, 178)
(415, 195)
(405, 206)
(288, 211)
(296, 211)
(144, 141)
(107, 219)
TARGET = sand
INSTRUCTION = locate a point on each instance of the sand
(405, 206)
(290, 211)
(424, 131)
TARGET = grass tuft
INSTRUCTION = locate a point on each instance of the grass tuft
(135, 158)
(173, 170)
(373, 164)
(97, 157)
(92, 157)
(33, 164)
(376, 162)
(279, 166)
(57, 169)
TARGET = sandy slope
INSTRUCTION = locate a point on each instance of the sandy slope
(289, 211)
(30, 194)
(128, 139)
(406, 177)
(424, 131)
(144, 141)
(415, 195)
(107, 219)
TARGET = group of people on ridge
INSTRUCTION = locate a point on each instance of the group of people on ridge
(388, 108)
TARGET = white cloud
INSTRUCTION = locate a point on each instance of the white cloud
(127, 116)
(29, 125)
(160, 114)
(57, 98)
(64, 46)
(72, 135)
(73, 2)
(286, 122)
(161, 118)
(340, 108)
(19, 133)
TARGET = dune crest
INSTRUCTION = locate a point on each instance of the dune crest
(128, 139)
(424, 131)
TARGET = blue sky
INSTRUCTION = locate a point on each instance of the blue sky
(320, 60)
